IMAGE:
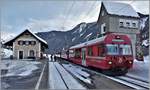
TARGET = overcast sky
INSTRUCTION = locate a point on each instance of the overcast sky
(38, 15)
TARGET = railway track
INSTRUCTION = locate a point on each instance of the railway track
(126, 80)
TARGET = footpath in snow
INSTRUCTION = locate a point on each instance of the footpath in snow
(59, 78)
(140, 69)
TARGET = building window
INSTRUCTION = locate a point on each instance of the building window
(24, 42)
(134, 24)
(102, 13)
(103, 28)
(128, 24)
(27, 33)
(121, 24)
(20, 42)
(27, 42)
(33, 42)
(90, 51)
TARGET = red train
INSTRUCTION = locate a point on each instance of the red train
(111, 53)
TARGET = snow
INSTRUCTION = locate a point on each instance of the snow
(55, 81)
(82, 26)
(140, 69)
(19, 68)
(81, 34)
(73, 39)
(88, 35)
(7, 53)
(145, 42)
(42, 40)
(69, 80)
(120, 9)
(74, 31)
(142, 22)
(59, 78)
(88, 42)
(77, 72)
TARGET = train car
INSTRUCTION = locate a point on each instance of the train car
(112, 52)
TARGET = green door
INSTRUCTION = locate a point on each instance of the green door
(84, 56)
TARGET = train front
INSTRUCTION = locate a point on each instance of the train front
(119, 56)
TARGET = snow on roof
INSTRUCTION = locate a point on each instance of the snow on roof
(31, 33)
(42, 40)
(121, 9)
(88, 42)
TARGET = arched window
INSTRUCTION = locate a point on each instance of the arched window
(31, 53)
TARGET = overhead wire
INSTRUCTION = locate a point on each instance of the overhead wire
(67, 15)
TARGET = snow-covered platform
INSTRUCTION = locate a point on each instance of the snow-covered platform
(140, 69)
(59, 78)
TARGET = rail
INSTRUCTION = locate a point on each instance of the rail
(126, 80)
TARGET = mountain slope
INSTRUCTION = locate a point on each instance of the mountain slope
(57, 40)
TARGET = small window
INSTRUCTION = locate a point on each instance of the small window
(121, 24)
(77, 53)
(128, 24)
(23, 42)
(30, 42)
(27, 42)
(101, 50)
(102, 13)
(104, 29)
(33, 42)
(27, 33)
(20, 42)
(134, 24)
(90, 51)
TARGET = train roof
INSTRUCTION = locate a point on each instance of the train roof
(89, 42)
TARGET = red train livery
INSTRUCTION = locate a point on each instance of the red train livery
(111, 52)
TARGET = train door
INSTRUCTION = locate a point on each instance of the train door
(83, 56)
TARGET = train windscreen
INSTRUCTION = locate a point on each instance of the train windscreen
(116, 49)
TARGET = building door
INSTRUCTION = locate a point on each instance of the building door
(31, 53)
(84, 56)
(20, 54)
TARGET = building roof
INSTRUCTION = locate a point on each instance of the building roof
(88, 42)
(121, 9)
(9, 42)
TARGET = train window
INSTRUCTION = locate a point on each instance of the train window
(77, 53)
(125, 49)
(112, 49)
(101, 50)
(90, 51)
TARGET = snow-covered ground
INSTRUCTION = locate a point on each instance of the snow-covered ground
(140, 69)
(59, 78)
(6, 53)
(77, 72)
(18, 68)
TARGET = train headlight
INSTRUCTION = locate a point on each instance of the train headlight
(109, 62)
(130, 62)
